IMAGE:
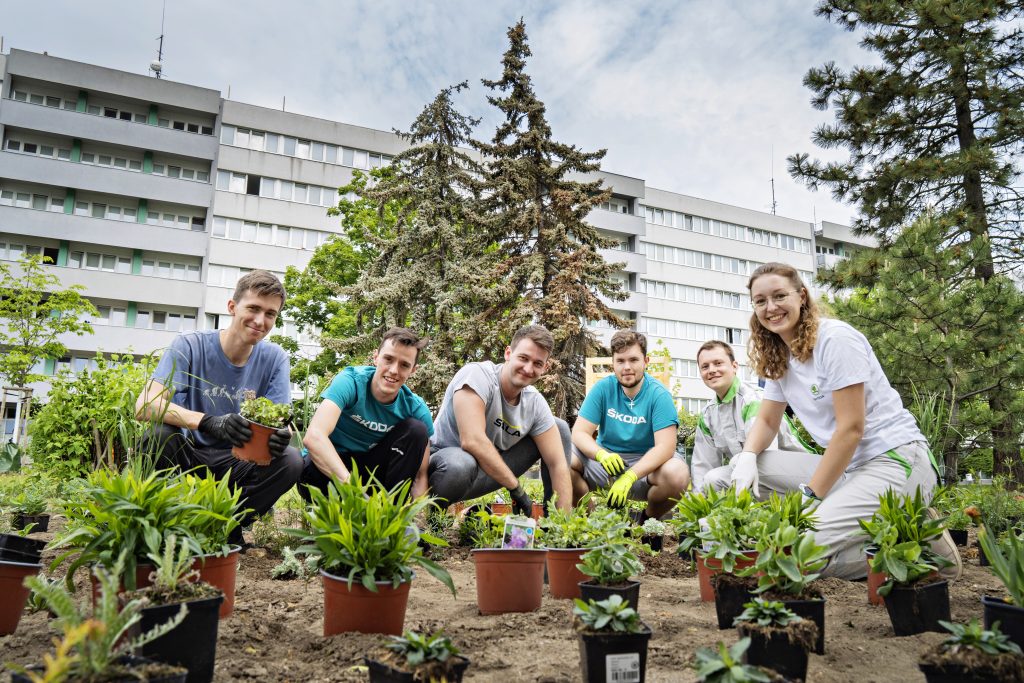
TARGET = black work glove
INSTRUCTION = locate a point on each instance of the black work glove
(521, 503)
(279, 441)
(232, 428)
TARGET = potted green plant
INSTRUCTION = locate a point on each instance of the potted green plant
(788, 563)
(779, 638)
(728, 535)
(997, 509)
(725, 665)
(567, 534)
(193, 643)
(915, 598)
(265, 417)
(29, 507)
(415, 656)
(98, 646)
(367, 546)
(972, 654)
(653, 534)
(690, 509)
(613, 640)
(14, 569)
(610, 568)
(1007, 563)
(507, 579)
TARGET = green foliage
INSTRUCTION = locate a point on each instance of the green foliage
(33, 497)
(294, 567)
(792, 509)
(787, 561)
(766, 613)
(215, 510)
(579, 528)
(734, 526)
(611, 614)
(172, 569)
(687, 430)
(483, 530)
(692, 507)
(1006, 561)
(901, 518)
(610, 564)
(10, 457)
(89, 418)
(265, 412)
(997, 507)
(36, 313)
(417, 648)
(725, 665)
(368, 534)
(106, 631)
(653, 527)
(903, 563)
(973, 636)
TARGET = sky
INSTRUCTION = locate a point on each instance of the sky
(700, 97)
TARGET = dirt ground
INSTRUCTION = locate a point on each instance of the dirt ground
(275, 632)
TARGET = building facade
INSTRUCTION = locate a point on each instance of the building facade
(156, 196)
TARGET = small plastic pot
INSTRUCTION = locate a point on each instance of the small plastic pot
(959, 537)
(12, 576)
(730, 597)
(128, 662)
(15, 548)
(982, 557)
(629, 591)
(812, 610)
(614, 656)
(563, 576)
(918, 608)
(192, 644)
(1010, 618)
(41, 522)
(657, 542)
(508, 580)
(772, 648)
(256, 449)
(383, 673)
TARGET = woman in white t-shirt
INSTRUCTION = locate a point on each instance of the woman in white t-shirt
(827, 372)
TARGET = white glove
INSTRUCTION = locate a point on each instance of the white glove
(744, 473)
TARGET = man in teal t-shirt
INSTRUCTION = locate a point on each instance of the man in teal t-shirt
(635, 421)
(370, 419)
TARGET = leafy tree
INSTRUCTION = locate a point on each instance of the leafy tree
(35, 311)
(936, 126)
(550, 270)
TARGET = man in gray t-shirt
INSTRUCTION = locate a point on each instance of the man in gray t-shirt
(493, 425)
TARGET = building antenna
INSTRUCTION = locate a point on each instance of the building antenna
(775, 204)
(157, 65)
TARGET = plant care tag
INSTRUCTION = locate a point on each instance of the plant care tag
(704, 528)
(622, 668)
(519, 533)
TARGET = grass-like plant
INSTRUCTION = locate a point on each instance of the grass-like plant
(265, 412)
(611, 614)
(794, 510)
(725, 665)
(216, 511)
(1006, 561)
(787, 561)
(365, 533)
(689, 510)
(610, 564)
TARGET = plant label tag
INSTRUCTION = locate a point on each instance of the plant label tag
(624, 668)
(706, 546)
(519, 533)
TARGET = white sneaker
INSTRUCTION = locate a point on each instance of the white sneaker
(945, 547)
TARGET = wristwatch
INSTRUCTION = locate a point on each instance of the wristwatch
(808, 491)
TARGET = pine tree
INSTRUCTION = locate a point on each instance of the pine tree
(937, 126)
(550, 269)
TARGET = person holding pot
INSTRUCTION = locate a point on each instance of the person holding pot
(194, 397)
(828, 373)
(724, 424)
(368, 418)
(493, 426)
(635, 421)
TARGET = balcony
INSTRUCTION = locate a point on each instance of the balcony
(75, 124)
(111, 181)
(88, 230)
(636, 302)
(121, 339)
(635, 261)
(100, 284)
(622, 223)
(825, 261)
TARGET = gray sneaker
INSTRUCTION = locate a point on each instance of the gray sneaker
(944, 546)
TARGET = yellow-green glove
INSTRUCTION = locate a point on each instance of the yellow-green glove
(611, 462)
(618, 494)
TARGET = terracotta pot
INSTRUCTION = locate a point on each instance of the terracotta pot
(256, 449)
(875, 581)
(142, 572)
(508, 580)
(501, 508)
(708, 566)
(563, 576)
(12, 574)
(360, 610)
(538, 511)
(220, 572)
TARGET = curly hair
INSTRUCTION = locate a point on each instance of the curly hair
(767, 353)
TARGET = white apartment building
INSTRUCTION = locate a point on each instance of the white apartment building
(156, 196)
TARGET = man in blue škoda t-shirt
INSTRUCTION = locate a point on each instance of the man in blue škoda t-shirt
(370, 419)
(635, 422)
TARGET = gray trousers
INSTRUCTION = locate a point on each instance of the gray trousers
(455, 474)
(597, 477)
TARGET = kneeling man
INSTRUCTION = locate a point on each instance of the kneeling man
(368, 417)
(634, 416)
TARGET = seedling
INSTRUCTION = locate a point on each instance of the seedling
(611, 614)
(265, 412)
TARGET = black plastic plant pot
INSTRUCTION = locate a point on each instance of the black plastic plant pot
(8, 555)
(41, 522)
(21, 544)
(730, 596)
(1010, 617)
(630, 592)
(655, 541)
(773, 649)
(128, 662)
(614, 656)
(193, 644)
(982, 557)
(955, 674)
(918, 608)
(814, 610)
(383, 673)
(959, 537)
(688, 555)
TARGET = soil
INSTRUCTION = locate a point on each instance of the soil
(275, 631)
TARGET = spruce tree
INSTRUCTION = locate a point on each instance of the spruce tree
(936, 126)
(550, 270)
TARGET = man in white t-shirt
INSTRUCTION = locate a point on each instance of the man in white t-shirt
(493, 425)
